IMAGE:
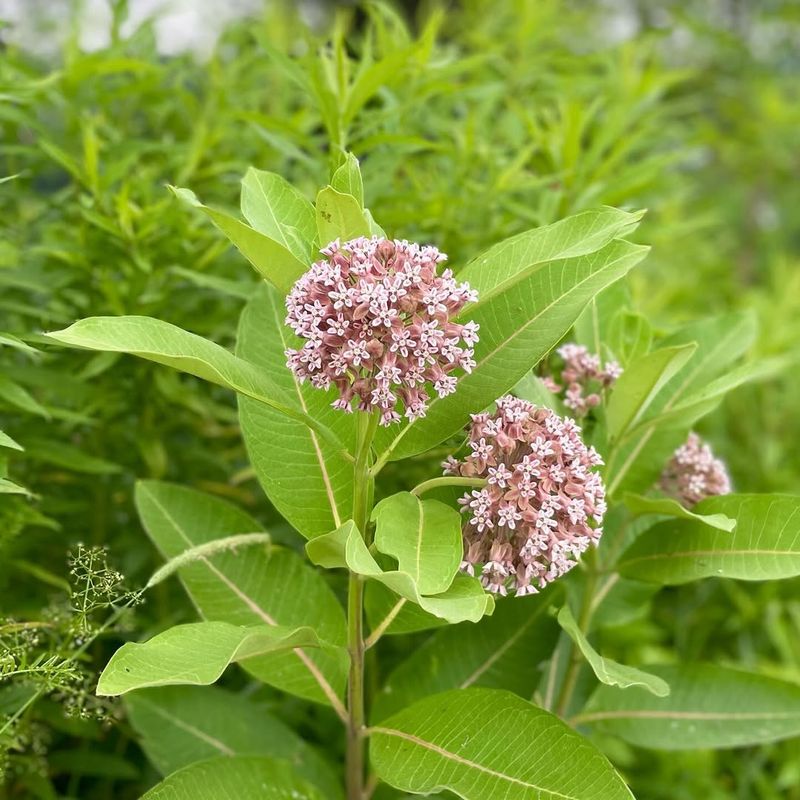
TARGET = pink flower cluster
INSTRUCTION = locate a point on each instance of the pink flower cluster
(693, 473)
(378, 322)
(542, 505)
(582, 372)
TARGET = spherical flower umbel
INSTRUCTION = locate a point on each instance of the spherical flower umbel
(542, 505)
(583, 375)
(693, 473)
(379, 324)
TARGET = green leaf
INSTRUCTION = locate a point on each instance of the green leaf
(197, 654)
(765, 545)
(174, 347)
(15, 395)
(249, 778)
(531, 388)
(9, 487)
(180, 725)
(593, 327)
(487, 744)
(393, 615)
(503, 651)
(630, 336)
(339, 216)
(8, 442)
(666, 506)
(518, 326)
(465, 600)
(708, 707)
(64, 455)
(249, 586)
(424, 536)
(308, 479)
(270, 258)
(347, 179)
(10, 340)
(606, 670)
(640, 383)
(275, 208)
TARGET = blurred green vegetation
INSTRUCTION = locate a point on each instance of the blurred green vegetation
(472, 122)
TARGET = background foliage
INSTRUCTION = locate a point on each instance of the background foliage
(470, 126)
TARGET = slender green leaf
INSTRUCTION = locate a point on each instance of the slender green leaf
(197, 653)
(503, 651)
(488, 744)
(275, 208)
(608, 671)
(424, 536)
(347, 179)
(708, 707)
(249, 586)
(666, 506)
(19, 397)
(180, 725)
(339, 216)
(239, 777)
(270, 258)
(465, 599)
(640, 383)
(9, 487)
(765, 545)
(8, 442)
(308, 479)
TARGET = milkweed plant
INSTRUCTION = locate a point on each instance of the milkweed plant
(562, 485)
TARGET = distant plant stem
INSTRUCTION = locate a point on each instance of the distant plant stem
(356, 717)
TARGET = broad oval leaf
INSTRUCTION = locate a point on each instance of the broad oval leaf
(503, 651)
(339, 216)
(347, 178)
(250, 586)
(487, 744)
(197, 654)
(180, 725)
(277, 209)
(424, 536)
(308, 479)
(242, 777)
(708, 707)
(765, 545)
(519, 324)
(605, 669)
(669, 507)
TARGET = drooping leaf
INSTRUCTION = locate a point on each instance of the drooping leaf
(464, 600)
(765, 545)
(518, 325)
(242, 777)
(339, 216)
(640, 383)
(277, 209)
(488, 744)
(271, 259)
(308, 479)
(605, 669)
(668, 507)
(196, 653)
(174, 347)
(424, 536)
(249, 586)
(180, 725)
(347, 178)
(708, 707)
(503, 651)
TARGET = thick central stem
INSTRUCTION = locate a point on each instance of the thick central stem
(362, 501)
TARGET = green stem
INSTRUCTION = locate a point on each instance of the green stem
(435, 483)
(356, 716)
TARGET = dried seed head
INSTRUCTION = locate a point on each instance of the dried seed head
(377, 318)
(693, 473)
(542, 505)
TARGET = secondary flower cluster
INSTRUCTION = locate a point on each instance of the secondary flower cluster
(693, 473)
(378, 322)
(542, 505)
(582, 373)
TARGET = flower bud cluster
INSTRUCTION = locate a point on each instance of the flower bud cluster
(584, 376)
(542, 505)
(379, 324)
(693, 473)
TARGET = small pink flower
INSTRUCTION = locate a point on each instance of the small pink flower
(693, 474)
(378, 323)
(542, 505)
